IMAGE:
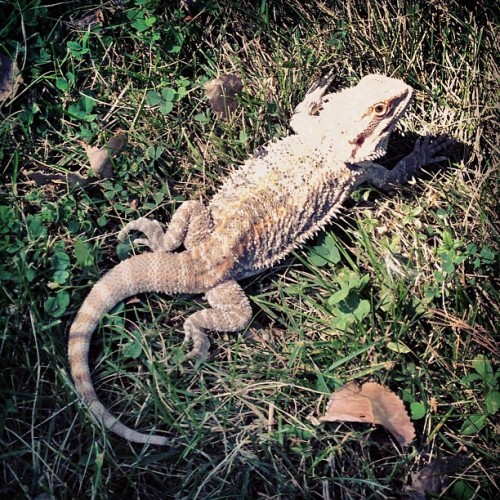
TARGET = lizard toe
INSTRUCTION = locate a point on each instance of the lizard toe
(201, 346)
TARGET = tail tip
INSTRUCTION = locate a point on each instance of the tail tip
(158, 440)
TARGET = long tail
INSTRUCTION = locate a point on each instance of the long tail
(151, 272)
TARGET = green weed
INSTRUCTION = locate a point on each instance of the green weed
(401, 289)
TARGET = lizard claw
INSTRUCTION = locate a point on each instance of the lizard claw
(201, 345)
(152, 230)
(311, 105)
(316, 91)
(321, 83)
(425, 151)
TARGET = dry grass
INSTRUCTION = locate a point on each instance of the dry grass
(242, 425)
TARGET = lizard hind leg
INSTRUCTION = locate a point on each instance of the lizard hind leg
(190, 225)
(230, 312)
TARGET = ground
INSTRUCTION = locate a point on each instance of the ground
(402, 290)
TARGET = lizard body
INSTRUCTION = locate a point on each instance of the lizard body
(269, 206)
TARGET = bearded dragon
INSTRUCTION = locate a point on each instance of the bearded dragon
(271, 205)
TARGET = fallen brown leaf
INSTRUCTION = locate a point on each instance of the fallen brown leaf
(42, 179)
(435, 477)
(433, 404)
(100, 158)
(371, 403)
(221, 94)
(9, 78)
(85, 21)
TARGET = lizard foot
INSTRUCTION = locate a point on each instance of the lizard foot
(424, 152)
(321, 83)
(152, 230)
(201, 345)
(315, 93)
(312, 104)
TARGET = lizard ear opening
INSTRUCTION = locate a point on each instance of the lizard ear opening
(364, 148)
(360, 140)
(358, 145)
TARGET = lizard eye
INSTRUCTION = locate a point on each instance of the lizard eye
(380, 109)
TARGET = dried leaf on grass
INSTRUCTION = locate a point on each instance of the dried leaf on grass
(193, 6)
(221, 94)
(435, 477)
(85, 21)
(42, 179)
(100, 158)
(371, 403)
(9, 78)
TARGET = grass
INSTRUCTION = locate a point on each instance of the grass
(417, 271)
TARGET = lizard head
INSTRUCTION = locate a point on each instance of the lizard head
(360, 119)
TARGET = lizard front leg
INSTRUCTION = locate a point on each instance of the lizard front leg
(230, 312)
(424, 153)
(307, 110)
(190, 225)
